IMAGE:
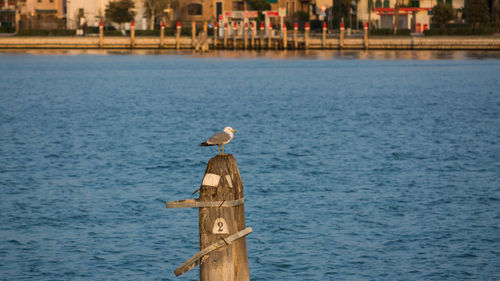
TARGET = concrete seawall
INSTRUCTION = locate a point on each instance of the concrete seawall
(374, 42)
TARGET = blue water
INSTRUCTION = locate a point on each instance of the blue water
(355, 167)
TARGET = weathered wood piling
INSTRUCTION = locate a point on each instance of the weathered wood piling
(341, 38)
(193, 33)
(285, 39)
(162, 35)
(223, 253)
(295, 40)
(178, 35)
(101, 35)
(215, 35)
(365, 37)
(132, 34)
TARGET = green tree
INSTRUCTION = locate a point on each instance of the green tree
(495, 14)
(155, 8)
(259, 5)
(442, 13)
(120, 11)
(478, 12)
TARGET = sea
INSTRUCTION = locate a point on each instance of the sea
(356, 165)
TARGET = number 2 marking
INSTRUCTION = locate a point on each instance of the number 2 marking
(220, 226)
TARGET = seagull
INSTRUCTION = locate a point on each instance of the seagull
(220, 139)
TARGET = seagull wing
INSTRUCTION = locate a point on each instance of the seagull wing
(219, 139)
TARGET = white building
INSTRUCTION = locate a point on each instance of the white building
(93, 11)
(411, 12)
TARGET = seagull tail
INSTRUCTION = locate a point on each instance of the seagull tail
(205, 144)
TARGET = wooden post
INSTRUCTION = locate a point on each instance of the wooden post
(262, 30)
(101, 35)
(235, 26)
(252, 35)
(270, 36)
(205, 27)
(285, 39)
(178, 36)
(223, 253)
(245, 39)
(295, 30)
(225, 35)
(323, 38)
(341, 39)
(193, 33)
(365, 27)
(230, 263)
(132, 34)
(306, 36)
(216, 25)
(162, 34)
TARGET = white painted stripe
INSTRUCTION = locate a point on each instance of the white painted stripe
(211, 180)
(229, 181)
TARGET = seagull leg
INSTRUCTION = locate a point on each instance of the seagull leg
(222, 149)
(218, 149)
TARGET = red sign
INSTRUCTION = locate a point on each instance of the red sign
(251, 14)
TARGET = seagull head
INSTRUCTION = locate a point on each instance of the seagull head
(229, 130)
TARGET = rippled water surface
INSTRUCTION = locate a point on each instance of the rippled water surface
(356, 165)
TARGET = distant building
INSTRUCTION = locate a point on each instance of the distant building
(93, 12)
(210, 10)
(33, 14)
(411, 12)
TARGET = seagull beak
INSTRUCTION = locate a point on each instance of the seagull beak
(234, 131)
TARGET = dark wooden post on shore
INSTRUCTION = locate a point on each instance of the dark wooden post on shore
(285, 39)
(306, 36)
(262, 30)
(252, 36)
(162, 34)
(101, 35)
(295, 30)
(225, 35)
(270, 36)
(341, 38)
(178, 36)
(216, 25)
(323, 38)
(365, 27)
(193, 33)
(132, 34)
(235, 27)
(245, 39)
(223, 253)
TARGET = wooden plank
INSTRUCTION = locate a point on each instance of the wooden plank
(196, 259)
(196, 203)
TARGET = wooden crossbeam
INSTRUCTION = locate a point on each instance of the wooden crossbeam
(196, 203)
(197, 258)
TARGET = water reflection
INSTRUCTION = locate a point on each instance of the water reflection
(289, 54)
